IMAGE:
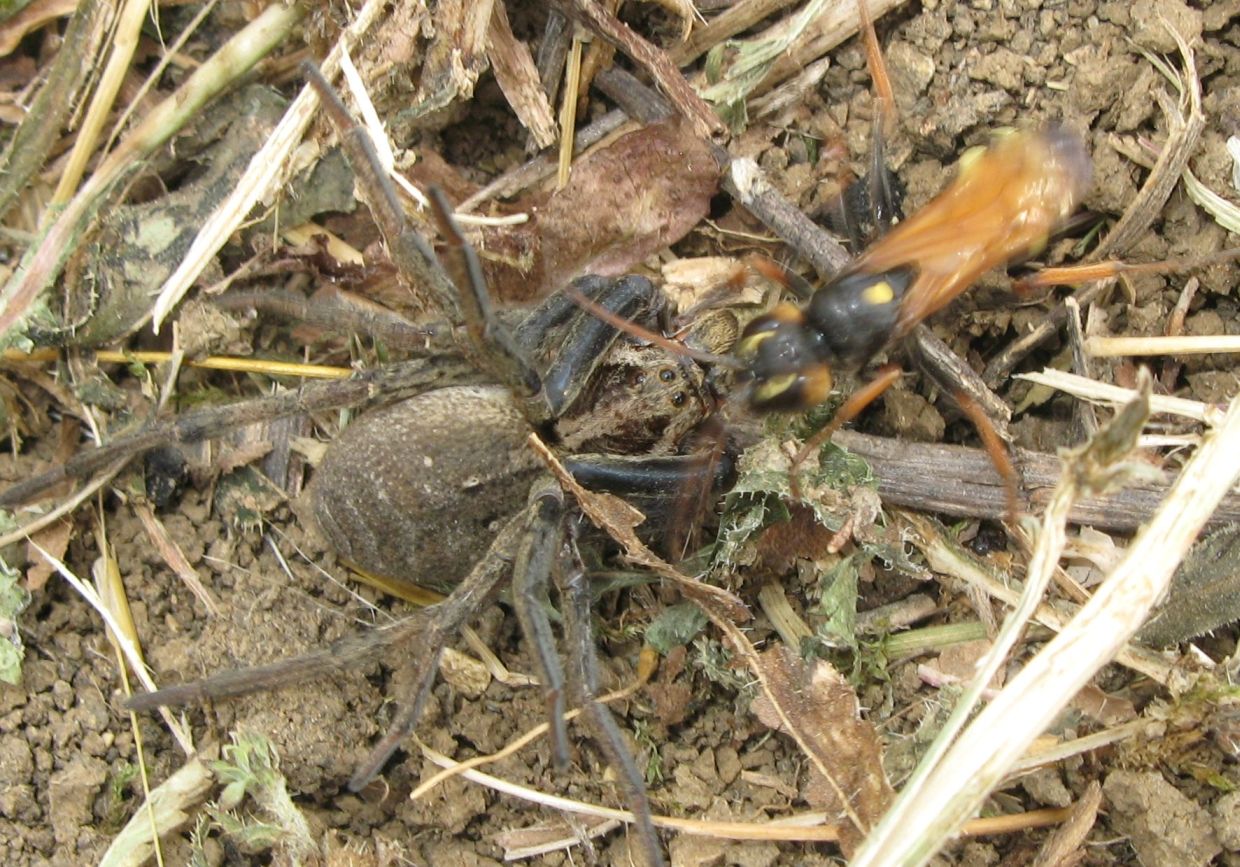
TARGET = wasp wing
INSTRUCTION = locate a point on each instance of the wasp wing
(1005, 202)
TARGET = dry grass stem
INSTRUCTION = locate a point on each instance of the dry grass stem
(946, 558)
(124, 42)
(167, 806)
(43, 261)
(917, 828)
(264, 176)
(803, 827)
(1185, 122)
(132, 654)
(1114, 395)
(1109, 347)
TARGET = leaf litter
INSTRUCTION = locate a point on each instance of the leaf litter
(621, 210)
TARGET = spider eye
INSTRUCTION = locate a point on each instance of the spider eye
(666, 375)
(679, 398)
(636, 378)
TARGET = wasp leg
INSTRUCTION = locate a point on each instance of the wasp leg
(851, 408)
(575, 594)
(997, 452)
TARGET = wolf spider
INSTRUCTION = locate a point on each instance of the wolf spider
(414, 491)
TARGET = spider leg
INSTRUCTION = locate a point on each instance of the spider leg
(536, 555)
(536, 558)
(575, 598)
(431, 628)
(412, 254)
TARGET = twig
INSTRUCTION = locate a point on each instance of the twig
(650, 58)
(962, 481)
(737, 19)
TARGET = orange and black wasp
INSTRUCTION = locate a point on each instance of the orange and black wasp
(1004, 203)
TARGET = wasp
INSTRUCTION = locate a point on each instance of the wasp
(1004, 203)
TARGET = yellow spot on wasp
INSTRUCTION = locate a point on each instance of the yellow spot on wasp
(748, 346)
(774, 387)
(878, 294)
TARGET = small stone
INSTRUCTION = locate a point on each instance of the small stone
(1165, 828)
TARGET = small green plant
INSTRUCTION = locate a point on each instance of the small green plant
(116, 809)
(250, 767)
(645, 740)
(13, 600)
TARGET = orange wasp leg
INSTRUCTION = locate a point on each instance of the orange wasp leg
(849, 410)
(1072, 275)
(997, 452)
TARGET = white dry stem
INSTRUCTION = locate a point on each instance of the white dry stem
(1107, 347)
(1224, 212)
(124, 43)
(1050, 546)
(1098, 392)
(945, 559)
(127, 647)
(44, 259)
(387, 157)
(915, 828)
(803, 827)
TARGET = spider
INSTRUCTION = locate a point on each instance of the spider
(416, 490)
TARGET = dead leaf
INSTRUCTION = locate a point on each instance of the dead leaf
(54, 539)
(814, 703)
(624, 203)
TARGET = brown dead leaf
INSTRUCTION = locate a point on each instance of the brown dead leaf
(959, 662)
(1110, 710)
(670, 692)
(624, 203)
(172, 554)
(821, 709)
(54, 539)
